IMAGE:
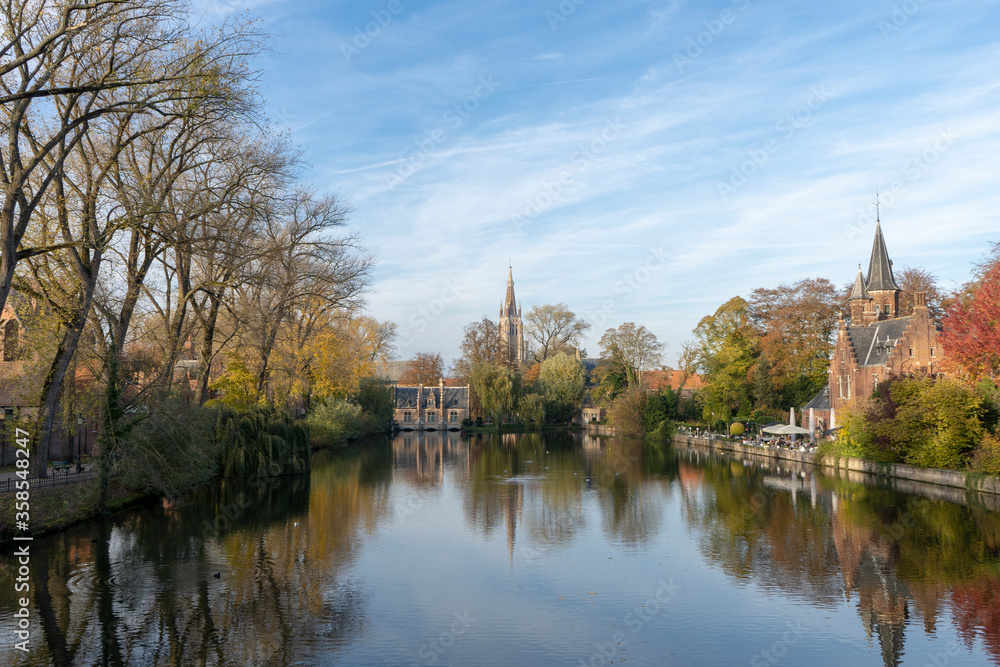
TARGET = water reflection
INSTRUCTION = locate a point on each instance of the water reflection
(823, 539)
(290, 571)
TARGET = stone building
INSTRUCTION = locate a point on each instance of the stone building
(511, 327)
(877, 342)
(430, 408)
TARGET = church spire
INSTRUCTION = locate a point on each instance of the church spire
(510, 304)
(880, 277)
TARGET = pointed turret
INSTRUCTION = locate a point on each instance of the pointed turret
(859, 291)
(859, 299)
(880, 277)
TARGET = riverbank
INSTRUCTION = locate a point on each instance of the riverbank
(56, 508)
(899, 472)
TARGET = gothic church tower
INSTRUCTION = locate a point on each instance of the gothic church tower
(511, 327)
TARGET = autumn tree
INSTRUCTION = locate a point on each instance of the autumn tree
(795, 325)
(553, 329)
(728, 346)
(423, 369)
(971, 330)
(304, 265)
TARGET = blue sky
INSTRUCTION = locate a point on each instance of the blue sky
(638, 160)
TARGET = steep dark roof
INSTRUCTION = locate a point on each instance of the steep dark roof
(859, 291)
(820, 401)
(406, 397)
(873, 344)
(454, 397)
(880, 268)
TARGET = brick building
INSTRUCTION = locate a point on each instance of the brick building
(877, 342)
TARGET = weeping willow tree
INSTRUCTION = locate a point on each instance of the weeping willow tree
(261, 443)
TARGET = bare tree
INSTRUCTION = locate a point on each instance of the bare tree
(636, 348)
(554, 328)
(425, 368)
(66, 65)
(304, 269)
(480, 345)
(918, 279)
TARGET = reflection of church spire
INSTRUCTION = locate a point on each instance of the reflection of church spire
(515, 501)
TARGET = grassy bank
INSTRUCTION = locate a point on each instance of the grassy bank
(56, 508)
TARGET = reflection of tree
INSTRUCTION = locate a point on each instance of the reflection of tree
(977, 611)
(897, 555)
(144, 592)
(541, 481)
(752, 530)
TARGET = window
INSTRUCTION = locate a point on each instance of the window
(875, 382)
(431, 416)
(840, 386)
(453, 417)
(848, 386)
(407, 417)
(932, 351)
(911, 351)
(886, 309)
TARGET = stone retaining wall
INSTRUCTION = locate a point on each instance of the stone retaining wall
(949, 478)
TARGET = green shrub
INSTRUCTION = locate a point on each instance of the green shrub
(923, 422)
(336, 422)
(986, 457)
(374, 397)
(736, 428)
(663, 433)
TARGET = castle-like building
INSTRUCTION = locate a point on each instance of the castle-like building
(511, 327)
(877, 342)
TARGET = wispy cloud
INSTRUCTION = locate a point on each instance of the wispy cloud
(656, 183)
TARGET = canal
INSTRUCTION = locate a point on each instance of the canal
(441, 549)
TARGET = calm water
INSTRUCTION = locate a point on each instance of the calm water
(438, 550)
